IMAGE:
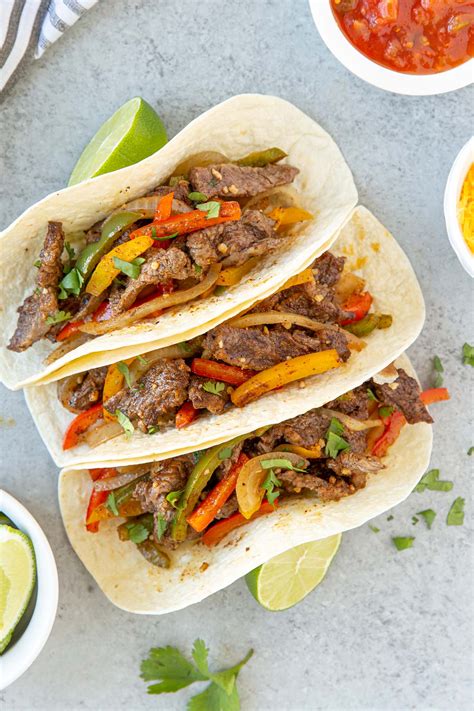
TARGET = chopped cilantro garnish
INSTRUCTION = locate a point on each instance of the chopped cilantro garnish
(185, 348)
(162, 239)
(401, 543)
(428, 515)
(152, 429)
(220, 289)
(438, 367)
(414, 520)
(58, 317)
(456, 513)
(334, 442)
(131, 269)
(225, 453)
(270, 485)
(138, 532)
(125, 423)
(37, 264)
(468, 354)
(390, 518)
(212, 208)
(173, 497)
(197, 268)
(280, 464)
(374, 528)
(197, 197)
(386, 411)
(213, 386)
(112, 504)
(125, 370)
(160, 526)
(430, 481)
(71, 284)
(141, 359)
(70, 251)
(470, 451)
(371, 395)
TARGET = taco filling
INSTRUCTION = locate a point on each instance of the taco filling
(206, 228)
(310, 326)
(327, 453)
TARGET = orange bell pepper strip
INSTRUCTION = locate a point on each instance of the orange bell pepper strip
(106, 271)
(208, 509)
(220, 371)
(163, 211)
(185, 415)
(289, 215)
(233, 275)
(97, 498)
(187, 222)
(112, 384)
(358, 305)
(393, 426)
(216, 533)
(428, 397)
(80, 424)
(286, 372)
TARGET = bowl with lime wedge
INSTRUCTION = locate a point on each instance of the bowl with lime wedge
(28, 589)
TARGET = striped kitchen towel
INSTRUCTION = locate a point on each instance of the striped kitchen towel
(30, 27)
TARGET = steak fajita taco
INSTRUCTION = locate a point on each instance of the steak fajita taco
(326, 329)
(247, 194)
(159, 536)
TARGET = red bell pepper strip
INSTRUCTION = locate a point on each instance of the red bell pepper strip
(186, 414)
(80, 424)
(219, 371)
(393, 427)
(166, 288)
(189, 222)
(97, 497)
(207, 510)
(216, 533)
(428, 397)
(72, 327)
(163, 211)
(358, 305)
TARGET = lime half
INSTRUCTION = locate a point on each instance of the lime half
(286, 579)
(133, 133)
(17, 579)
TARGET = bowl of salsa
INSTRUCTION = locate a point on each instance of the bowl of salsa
(459, 206)
(415, 47)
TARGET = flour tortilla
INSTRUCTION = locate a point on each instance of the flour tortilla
(372, 253)
(236, 127)
(197, 571)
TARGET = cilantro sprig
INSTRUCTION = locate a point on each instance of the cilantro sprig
(270, 485)
(58, 317)
(212, 208)
(334, 442)
(131, 269)
(215, 387)
(174, 672)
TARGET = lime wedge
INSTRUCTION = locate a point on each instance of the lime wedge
(133, 133)
(17, 579)
(286, 579)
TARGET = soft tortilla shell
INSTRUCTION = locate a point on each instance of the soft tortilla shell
(238, 126)
(197, 571)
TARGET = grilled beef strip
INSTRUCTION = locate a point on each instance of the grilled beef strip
(202, 399)
(156, 396)
(404, 394)
(328, 269)
(354, 403)
(88, 391)
(32, 321)
(233, 181)
(234, 243)
(181, 191)
(326, 488)
(169, 475)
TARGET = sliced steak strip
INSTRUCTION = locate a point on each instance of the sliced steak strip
(329, 488)
(230, 507)
(404, 394)
(328, 268)
(202, 399)
(348, 463)
(169, 475)
(43, 302)
(317, 301)
(355, 403)
(181, 191)
(234, 243)
(234, 181)
(161, 265)
(156, 395)
(89, 391)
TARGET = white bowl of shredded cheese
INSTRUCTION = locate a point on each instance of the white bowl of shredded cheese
(458, 201)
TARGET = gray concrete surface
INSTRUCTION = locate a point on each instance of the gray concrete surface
(387, 630)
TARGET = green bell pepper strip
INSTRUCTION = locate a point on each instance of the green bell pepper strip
(368, 324)
(259, 159)
(198, 480)
(111, 229)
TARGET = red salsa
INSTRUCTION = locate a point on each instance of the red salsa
(410, 36)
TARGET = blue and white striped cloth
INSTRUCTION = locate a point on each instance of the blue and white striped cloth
(31, 26)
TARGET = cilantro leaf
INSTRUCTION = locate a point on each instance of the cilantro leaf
(470, 451)
(390, 518)
(414, 520)
(430, 481)
(71, 284)
(371, 395)
(225, 453)
(152, 429)
(212, 208)
(162, 239)
(270, 485)
(456, 512)
(280, 464)
(197, 268)
(438, 368)
(214, 698)
(58, 317)
(70, 251)
(131, 269)
(334, 442)
(429, 516)
(185, 348)
(401, 543)
(173, 497)
(125, 423)
(215, 387)
(468, 354)
(125, 370)
(169, 665)
(161, 524)
(112, 504)
(197, 197)
(199, 653)
(37, 264)
(138, 532)
(374, 528)
(141, 359)
(386, 411)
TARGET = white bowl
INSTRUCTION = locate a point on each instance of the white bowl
(381, 77)
(451, 198)
(19, 656)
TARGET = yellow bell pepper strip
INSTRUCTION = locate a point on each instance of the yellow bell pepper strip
(313, 453)
(285, 216)
(187, 222)
(112, 384)
(286, 372)
(233, 275)
(304, 277)
(106, 271)
(259, 159)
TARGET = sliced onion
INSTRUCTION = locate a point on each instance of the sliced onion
(286, 196)
(102, 433)
(147, 206)
(350, 422)
(117, 481)
(138, 313)
(200, 160)
(138, 369)
(66, 347)
(265, 317)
